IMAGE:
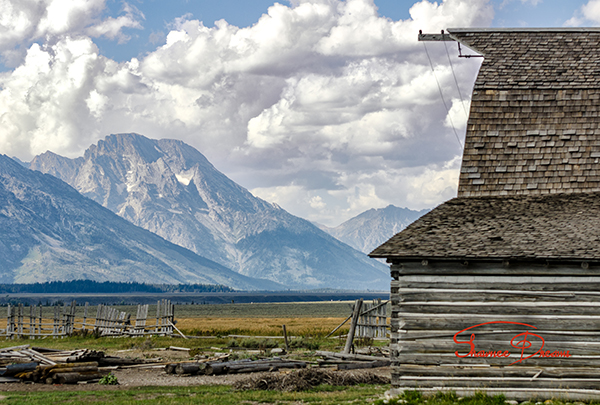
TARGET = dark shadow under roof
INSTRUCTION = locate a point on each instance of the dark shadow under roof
(553, 227)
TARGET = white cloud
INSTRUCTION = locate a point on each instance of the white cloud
(112, 28)
(422, 187)
(25, 21)
(323, 107)
(532, 2)
(458, 115)
(587, 15)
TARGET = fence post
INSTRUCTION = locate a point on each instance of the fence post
(167, 318)
(62, 328)
(20, 321)
(8, 322)
(156, 330)
(97, 320)
(172, 317)
(138, 315)
(72, 317)
(355, 316)
(285, 338)
(85, 312)
(55, 322)
(31, 322)
(40, 322)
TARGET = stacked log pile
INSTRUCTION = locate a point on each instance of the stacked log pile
(64, 373)
(343, 361)
(23, 354)
(232, 367)
(70, 356)
(49, 366)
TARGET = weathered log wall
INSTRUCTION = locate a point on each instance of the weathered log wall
(428, 310)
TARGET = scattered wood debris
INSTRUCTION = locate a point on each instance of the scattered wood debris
(301, 380)
(212, 367)
(343, 361)
(42, 365)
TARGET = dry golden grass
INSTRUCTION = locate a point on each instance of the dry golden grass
(260, 326)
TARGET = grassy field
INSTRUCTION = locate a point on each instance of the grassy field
(225, 395)
(313, 327)
(323, 309)
(301, 319)
(206, 395)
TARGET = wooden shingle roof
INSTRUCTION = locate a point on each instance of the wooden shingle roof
(552, 227)
(529, 185)
(534, 58)
(534, 124)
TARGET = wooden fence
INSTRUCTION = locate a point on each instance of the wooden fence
(30, 322)
(372, 322)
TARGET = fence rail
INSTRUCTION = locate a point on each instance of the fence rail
(372, 322)
(108, 321)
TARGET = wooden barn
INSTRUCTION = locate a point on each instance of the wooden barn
(499, 288)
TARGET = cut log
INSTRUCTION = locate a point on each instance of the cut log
(14, 369)
(350, 356)
(46, 350)
(363, 364)
(8, 349)
(118, 361)
(255, 367)
(74, 378)
(25, 375)
(76, 369)
(181, 349)
(189, 368)
(45, 370)
(216, 368)
(38, 356)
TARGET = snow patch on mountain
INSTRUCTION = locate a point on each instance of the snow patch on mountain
(175, 192)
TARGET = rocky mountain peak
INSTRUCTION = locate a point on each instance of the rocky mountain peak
(373, 227)
(171, 189)
(50, 232)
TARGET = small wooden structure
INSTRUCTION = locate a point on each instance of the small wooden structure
(498, 290)
(109, 321)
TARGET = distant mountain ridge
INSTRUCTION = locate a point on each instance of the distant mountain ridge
(372, 228)
(50, 232)
(171, 189)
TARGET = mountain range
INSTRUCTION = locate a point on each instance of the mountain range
(50, 232)
(372, 228)
(169, 188)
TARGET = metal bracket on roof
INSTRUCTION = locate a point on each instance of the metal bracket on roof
(443, 37)
(435, 37)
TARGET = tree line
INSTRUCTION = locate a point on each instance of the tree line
(89, 286)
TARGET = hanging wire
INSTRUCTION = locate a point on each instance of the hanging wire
(442, 96)
(462, 99)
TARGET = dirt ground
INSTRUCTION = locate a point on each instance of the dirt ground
(141, 377)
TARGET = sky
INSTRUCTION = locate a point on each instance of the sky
(325, 107)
